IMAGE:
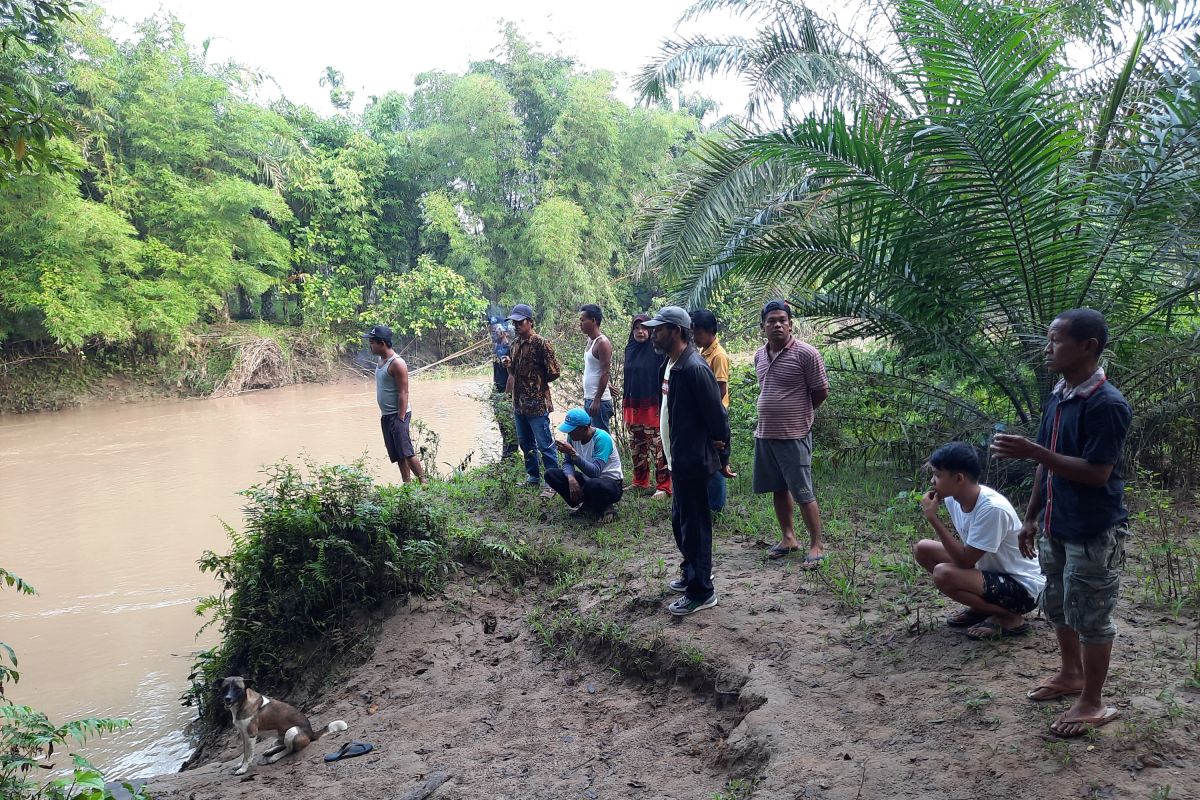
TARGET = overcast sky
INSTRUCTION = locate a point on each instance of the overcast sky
(381, 46)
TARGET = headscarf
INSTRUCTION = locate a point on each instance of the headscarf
(643, 371)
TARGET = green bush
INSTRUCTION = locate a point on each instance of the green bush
(323, 547)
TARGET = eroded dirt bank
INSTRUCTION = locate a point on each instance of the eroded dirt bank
(588, 689)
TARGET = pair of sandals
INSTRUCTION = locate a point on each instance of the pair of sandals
(979, 628)
(781, 551)
(1045, 692)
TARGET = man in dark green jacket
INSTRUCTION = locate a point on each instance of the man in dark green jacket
(695, 429)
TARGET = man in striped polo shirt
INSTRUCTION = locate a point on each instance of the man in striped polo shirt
(792, 385)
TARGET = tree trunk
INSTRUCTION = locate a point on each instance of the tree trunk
(268, 304)
(245, 304)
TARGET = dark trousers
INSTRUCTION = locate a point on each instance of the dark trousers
(598, 493)
(691, 522)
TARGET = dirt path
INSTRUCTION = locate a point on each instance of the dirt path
(778, 693)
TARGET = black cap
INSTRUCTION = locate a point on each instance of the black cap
(775, 305)
(521, 311)
(381, 332)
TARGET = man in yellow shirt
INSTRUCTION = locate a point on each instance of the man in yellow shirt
(704, 334)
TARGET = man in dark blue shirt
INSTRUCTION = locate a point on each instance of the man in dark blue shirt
(1077, 504)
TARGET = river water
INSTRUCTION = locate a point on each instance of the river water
(106, 509)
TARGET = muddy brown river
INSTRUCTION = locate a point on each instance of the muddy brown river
(106, 509)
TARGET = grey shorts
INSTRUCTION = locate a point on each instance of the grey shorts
(1082, 583)
(784, 464)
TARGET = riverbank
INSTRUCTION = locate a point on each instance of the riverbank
(218, 361)
(107, 508)
(534, 676)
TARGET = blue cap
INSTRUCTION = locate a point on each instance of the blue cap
(576, 418)
(521, 311)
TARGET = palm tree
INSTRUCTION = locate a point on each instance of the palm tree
(950, 188)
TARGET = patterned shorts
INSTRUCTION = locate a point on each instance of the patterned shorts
(1083, 580)
(1002, 589)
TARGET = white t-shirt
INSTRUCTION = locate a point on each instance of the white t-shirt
(664, 423)
(993, 526)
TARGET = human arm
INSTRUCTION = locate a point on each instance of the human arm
(961, 555)
(399, 372)
(603, 353)
(818, 381)
(1027, 538)
(1073, 468)
(708, 400)
(550, 362)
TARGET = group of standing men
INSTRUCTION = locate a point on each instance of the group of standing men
(682, 408)
(1065, 555)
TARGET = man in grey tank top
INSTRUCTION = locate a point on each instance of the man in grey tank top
(391, 392)
(597, 367)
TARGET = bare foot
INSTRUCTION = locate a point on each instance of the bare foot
(1081, 718)
(1059, 685)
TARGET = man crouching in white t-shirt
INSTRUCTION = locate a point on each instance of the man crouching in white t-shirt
(985, 571)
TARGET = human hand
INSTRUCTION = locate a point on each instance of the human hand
(1027, 538)
(594, 408)
(576, 490)
(727, 472)
(929, 504)
(506, 361)
(564, 448)
(1007, 445)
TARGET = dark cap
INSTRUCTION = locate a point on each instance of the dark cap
(670, 315)
(381, 332)
(775, 305)
(521, 311)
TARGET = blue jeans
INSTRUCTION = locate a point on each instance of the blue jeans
(716, 492)
(606, 413)
(533, 433)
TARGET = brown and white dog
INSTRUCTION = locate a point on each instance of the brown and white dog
(255, 713)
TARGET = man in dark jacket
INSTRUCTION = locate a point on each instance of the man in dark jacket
(695, 429)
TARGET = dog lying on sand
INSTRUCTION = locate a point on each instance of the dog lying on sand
(255, 713)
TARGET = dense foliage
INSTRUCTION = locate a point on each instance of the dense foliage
(320, 547)
(939, 178)
(142, 190)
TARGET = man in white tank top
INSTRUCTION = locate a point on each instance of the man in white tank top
(597, 366)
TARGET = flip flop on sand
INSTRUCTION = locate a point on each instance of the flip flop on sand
(991, 630)
(967, 618)
(1050, 691)
(350, 750)
(1072, 729)
(779, 551)
(813, 562)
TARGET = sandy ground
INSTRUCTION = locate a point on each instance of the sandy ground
(854, 707)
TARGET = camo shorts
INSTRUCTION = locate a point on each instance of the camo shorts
(1083, 580)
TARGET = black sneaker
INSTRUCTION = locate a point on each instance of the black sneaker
(680, 584)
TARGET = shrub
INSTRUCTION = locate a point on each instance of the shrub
(320, 551)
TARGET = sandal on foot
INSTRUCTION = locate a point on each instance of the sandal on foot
(1081, 727)
(967, 618)
(1050, 691)
(779, 551)
(994, 631)
(608, 516)
(813, 562)
(350, 750)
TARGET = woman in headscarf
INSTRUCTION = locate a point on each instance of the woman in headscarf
(641, 401)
